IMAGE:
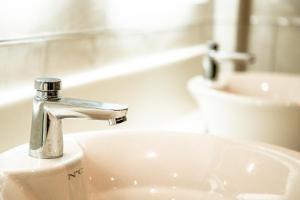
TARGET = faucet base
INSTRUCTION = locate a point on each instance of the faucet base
(40, 155)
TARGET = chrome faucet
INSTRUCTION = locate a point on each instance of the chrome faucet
(49, 109)
(211, 62)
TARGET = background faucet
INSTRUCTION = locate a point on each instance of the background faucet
(211, 62)
(46, 140)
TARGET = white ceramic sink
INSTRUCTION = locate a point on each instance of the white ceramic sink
(135, 165)
(255, 106)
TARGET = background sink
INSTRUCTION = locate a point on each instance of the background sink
(152, 165)
(255, 106)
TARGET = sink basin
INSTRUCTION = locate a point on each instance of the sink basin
(254, 106)
(148, 165)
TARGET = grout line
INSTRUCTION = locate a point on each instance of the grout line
(86, 33)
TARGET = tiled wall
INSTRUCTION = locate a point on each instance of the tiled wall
(95, 34)
(274, 35)
(60, 38)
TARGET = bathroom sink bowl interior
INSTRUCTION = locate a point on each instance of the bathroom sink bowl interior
(274, 87)
(146, 165)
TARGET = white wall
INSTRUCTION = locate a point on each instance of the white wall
(57, 38)
(66, 38)
(269, 29)
(274, 35)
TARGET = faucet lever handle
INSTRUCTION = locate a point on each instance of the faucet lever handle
(47, 84)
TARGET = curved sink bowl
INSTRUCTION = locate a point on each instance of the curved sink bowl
(255, 106)
(135, 165)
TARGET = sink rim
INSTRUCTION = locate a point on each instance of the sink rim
(198, 86)
(19, 154)
(258, 145)
(76, 153)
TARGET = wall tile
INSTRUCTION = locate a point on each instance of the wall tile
(273, 38)
(21, 62)
(262, 44)
(194, 35)
(60, 57)
(202, 13)
(31, 17)
(276, 8)
(110, 48)
(287, 50)
(69, 56)
(51, 16)
(189, 36)
(153, 15)
(113, 47)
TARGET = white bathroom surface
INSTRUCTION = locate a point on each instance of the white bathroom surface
(192, 122)
(252, 106)
(153, 165)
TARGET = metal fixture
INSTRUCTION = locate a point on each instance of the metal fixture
(211, 62)
(49, 109)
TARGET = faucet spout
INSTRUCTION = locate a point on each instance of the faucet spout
(49, 109)
(78, 108)
(211, 62)
(232, 56)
